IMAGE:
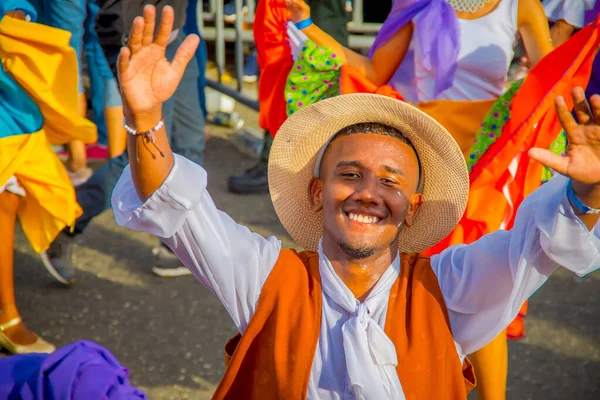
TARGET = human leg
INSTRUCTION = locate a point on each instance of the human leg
(14, 334)
(491, 369)
(191, 27)
(255, 179)
(187, 135)
(94, 198)
(70, 16)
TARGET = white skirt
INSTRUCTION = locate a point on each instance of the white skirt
(12, 185)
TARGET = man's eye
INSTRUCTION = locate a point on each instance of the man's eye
(350, 175)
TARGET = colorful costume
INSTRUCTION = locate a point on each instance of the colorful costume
(494, 130)
(38, 85)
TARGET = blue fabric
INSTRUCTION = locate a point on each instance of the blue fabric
(68, 15)
(190, 27)
(82, 370)
(19, 114)
(23, 5)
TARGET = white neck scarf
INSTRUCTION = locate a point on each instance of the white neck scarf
(370, 354)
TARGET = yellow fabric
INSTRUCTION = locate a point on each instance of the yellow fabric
(40, 60)
(50, 203)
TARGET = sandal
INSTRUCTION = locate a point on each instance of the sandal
(39, 346)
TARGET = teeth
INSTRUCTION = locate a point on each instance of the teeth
(365, 219)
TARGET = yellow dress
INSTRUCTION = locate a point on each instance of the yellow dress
(39, 58)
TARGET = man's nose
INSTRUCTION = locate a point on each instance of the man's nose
(368, 190)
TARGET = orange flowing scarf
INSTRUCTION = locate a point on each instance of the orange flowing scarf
(504, 175)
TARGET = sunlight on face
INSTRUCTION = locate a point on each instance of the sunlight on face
(365, 188)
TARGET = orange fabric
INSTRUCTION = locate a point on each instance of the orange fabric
(274, 61)
(516, 329)
(505, 167)
(461, 118)
(273, 359)
(353, 81)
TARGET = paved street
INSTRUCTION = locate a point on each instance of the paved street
(170, 332)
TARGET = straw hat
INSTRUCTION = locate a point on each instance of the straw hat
(299, 140)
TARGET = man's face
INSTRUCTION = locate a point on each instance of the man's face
(366, 191)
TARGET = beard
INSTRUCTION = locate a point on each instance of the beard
(356, 253)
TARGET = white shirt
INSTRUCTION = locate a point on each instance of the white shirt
(484, 284)
(486, 51)
(572, 11)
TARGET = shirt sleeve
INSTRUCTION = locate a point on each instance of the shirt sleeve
(485, 283)
(572, 11)
(229, 260)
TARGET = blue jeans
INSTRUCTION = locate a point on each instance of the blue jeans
(191, 26)
(184, 122)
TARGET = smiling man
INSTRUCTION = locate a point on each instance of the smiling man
(363, 183)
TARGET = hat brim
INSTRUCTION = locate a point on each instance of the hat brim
(297, 143)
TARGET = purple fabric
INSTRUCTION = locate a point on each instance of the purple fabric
(594, 83)
(80, 371)
(438, 35)
(590, 15)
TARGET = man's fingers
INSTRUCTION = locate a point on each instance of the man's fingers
(582, 108)
(184, 53)
(149, 21)
(564, 116)
(123, 61)
(549, 159)
(165, 27)
(595, 103)
(135, 36)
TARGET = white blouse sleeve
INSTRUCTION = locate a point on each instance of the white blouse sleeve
(485, 283)
(228, 259)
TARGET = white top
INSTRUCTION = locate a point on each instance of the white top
(484, 284)
(486, 51)
(572, 11)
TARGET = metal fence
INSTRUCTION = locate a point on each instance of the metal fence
(213, 29)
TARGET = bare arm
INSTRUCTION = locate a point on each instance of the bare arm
(147, 80)
(561, 32)
(385, 61)
(534, 29)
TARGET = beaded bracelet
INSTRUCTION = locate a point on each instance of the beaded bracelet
(578, 203)
(149, 135)
(303, 24)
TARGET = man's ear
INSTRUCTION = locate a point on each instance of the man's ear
(413, 208)
(315, 190)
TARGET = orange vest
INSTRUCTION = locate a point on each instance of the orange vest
(273, 359)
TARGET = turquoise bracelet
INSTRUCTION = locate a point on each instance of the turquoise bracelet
(303, 24)
(578, 203)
